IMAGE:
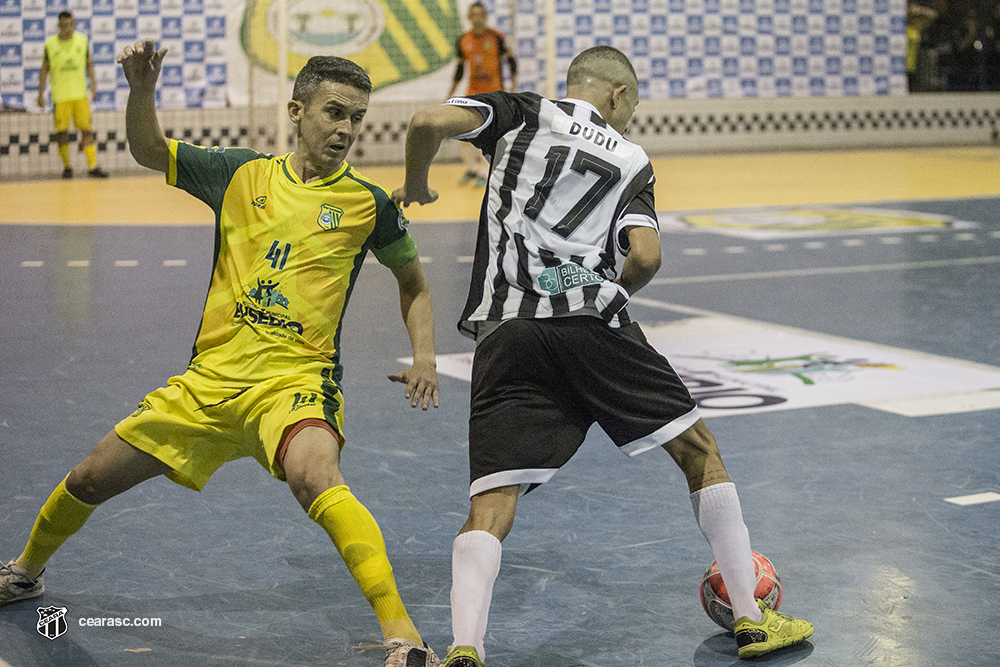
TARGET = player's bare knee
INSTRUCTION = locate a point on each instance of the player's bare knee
(307, 484)
(84, 483)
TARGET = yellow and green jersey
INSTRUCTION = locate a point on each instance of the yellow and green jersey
(67, 67)
(287, 255)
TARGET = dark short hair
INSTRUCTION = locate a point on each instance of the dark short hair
(65, 15)
(329, 68)
(600, 62)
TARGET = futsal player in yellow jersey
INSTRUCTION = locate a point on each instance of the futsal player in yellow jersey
(66, 58)
(264, 380)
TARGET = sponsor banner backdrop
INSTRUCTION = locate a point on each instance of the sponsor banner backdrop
(680, 48)
(194, 73)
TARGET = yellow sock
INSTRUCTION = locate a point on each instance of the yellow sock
(358, 539)
(64, 154)
(91, 153)
(62, 515)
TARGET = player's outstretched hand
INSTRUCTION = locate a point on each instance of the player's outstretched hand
(421, 384)
(428, 196)
(142, 63)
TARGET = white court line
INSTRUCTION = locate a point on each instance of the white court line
(938, 404)
(32, 264)
(829, 270)
(126, 262)
(974, 499)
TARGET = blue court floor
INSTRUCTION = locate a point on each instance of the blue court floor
(850, 371)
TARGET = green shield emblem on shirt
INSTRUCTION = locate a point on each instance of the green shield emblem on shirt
(329, 217)
(393, 40)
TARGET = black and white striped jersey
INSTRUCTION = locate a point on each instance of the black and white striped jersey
(563, 187)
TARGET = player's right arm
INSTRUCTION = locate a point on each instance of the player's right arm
(43, 76)
(149, 146)
(428, 128)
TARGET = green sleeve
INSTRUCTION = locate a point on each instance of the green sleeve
(398, 253)
(206, 172)
(389, 240)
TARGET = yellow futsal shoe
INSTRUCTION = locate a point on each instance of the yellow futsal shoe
(774, 631)
(462, 656)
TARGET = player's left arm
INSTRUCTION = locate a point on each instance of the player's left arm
(43, 76)
(459, 69)
(643, 260)
(638, 236)
(428, 128)
(418, 316)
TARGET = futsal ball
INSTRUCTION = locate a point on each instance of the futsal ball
(715, 598)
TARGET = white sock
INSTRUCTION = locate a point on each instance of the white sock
(475, 563)
(717, 510)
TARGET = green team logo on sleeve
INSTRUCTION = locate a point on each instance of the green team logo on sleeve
(393, 40)
(329, 216)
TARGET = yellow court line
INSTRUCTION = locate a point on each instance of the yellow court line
(686, 183)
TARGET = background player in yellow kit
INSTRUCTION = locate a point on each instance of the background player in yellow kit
(483, 49)
(66, 60)
(291, 236)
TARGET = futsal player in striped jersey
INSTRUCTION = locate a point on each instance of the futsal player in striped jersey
(555, 348)
(291, 236)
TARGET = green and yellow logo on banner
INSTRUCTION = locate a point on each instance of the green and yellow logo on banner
(394, 40)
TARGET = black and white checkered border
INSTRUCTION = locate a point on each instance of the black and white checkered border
(660, 126)
(113, 141)
(812, 121)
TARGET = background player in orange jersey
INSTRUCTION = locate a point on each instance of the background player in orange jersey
(484, 49)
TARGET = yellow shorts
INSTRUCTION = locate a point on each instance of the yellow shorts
(197, 422)
(77, 110)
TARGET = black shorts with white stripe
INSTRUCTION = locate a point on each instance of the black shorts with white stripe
(539, 384)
